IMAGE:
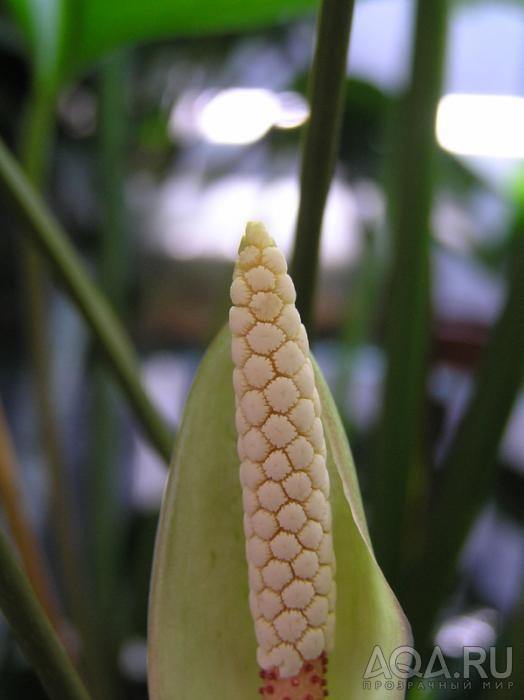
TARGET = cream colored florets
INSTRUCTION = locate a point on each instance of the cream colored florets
(285, 484)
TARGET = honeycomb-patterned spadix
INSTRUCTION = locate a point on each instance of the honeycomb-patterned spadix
(281, 447)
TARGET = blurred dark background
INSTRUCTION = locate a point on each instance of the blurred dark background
(207, 137)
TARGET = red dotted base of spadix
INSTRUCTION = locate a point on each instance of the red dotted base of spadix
(309, 684)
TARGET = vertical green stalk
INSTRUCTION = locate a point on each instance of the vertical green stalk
(468, 473)
(408, 321)
(34, 633)
(36, 138)
(112, 274)
(321, 140)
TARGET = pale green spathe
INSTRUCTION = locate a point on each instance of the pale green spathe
(201, 637)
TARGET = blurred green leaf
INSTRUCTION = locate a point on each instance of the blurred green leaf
(201, 636)
(108, 24)
(48, 28)
(65, 36)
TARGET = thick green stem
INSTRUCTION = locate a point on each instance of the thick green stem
(54, 244)
(34, 632)
(321, 140)
(408, 322)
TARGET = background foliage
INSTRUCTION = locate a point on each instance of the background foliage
(88, 93)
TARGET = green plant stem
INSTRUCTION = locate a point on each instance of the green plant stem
(23, 534)
(469, 469)
(36, 140)
(321, 140)
(36, 136)
(47, 233)
(113, 258)
(408, 319)
(359, 317)
(34, 632)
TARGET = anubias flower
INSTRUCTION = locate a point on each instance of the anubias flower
(225, 596)
(281, 445)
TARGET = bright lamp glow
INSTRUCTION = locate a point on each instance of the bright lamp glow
(236, 116)
(491, 126)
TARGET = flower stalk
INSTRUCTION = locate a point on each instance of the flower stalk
(319, 147)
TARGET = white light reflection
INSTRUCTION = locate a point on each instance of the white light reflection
(293, 110)
(132, 659)
(481, 125)
(167, 379)
(236, 116)
(474, 629)
(190, 218)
